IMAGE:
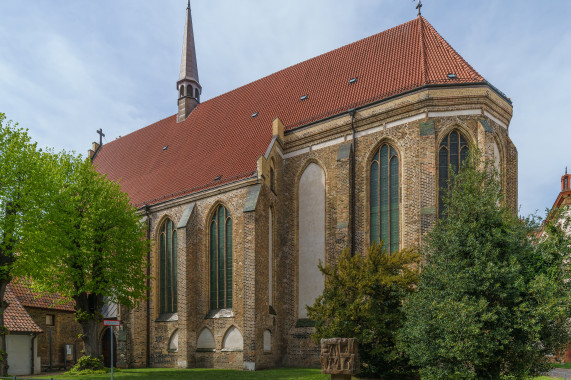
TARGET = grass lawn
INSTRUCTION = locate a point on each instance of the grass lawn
(215, 374)
(210, 374)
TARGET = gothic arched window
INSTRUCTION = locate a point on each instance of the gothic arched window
(384, 210)
(196, 94)
(452, 152)
(181, 91)
(167, 267)
(221, 259)
(188, 90)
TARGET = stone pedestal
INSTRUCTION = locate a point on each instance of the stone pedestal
(340, 358)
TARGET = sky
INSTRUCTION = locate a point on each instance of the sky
(70, 67)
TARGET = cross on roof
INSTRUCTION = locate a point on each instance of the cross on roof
(418, 6)
(101, 136)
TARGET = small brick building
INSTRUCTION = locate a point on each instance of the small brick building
(243, 194)
(55, 325)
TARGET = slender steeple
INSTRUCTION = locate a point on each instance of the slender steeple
(188, 86)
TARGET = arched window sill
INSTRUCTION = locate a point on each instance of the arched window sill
(167, 317)
(231, 350)
(219, 313)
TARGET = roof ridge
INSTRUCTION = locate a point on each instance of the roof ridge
(457, 56)
(310, 59)
(423, 49)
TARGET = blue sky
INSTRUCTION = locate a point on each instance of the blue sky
(70, 67)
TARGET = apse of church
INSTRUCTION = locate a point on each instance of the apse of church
(240, 216)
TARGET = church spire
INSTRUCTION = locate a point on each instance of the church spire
(188, 86)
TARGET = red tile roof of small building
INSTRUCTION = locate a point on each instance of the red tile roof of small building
(221, 138)
(16, 318)
(31, 298)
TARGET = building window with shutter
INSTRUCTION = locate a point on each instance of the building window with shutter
(452, 152)
(50, 320)
(221, 259)
(384, 198)
(167, 267)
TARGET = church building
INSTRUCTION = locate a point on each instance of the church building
(243, 194)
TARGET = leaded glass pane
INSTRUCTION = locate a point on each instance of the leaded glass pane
(384, 195)
(442, 178)
(384, 198)
(229, 263)
(454, 150)
(375, 201)
(162, 271)
(221, 261)
(174, 274)
(213, 266)
(394, 204)
(168, 271)
(463, 155)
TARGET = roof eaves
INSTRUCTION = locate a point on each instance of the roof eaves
(358, 107)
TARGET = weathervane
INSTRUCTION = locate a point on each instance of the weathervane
(418, 6)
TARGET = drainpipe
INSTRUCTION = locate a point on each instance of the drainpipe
(148, 356)
(51, 359)
(34, 336)
(352, 180)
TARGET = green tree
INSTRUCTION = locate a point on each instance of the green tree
(23, 197)
(95, 248)
(492, 299)
(363, 299)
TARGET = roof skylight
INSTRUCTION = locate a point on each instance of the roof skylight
(452, 76)
(165, 147)
(254, 114)
(218, 178)
(303, 97)
(352, 80)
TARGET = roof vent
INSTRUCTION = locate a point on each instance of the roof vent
(165, 147)
(303, 97)
(452, 76)
(352, 80)
(218, 178)
(254, 114)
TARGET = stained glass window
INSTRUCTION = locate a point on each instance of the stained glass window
(167, 267)
(452, 152)
(384, 198)
(221, 259)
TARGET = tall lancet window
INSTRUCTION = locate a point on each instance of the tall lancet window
(167, 267)
(384, 212)
(452, 152)
(221, 259)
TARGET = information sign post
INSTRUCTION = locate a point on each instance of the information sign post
(111, 323)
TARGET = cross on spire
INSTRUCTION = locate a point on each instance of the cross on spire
(418, 6)
(101, 136)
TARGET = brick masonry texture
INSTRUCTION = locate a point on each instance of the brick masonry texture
(415, 141)
(65, 331)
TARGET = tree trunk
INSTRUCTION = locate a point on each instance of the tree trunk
(88, 313)
(90, 337)
(3, 332)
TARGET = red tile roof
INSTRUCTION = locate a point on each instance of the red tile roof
(220, 136)
(31, 298)
(16, 318)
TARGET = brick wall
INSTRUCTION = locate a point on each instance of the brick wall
(414, 125)
(65, 331)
